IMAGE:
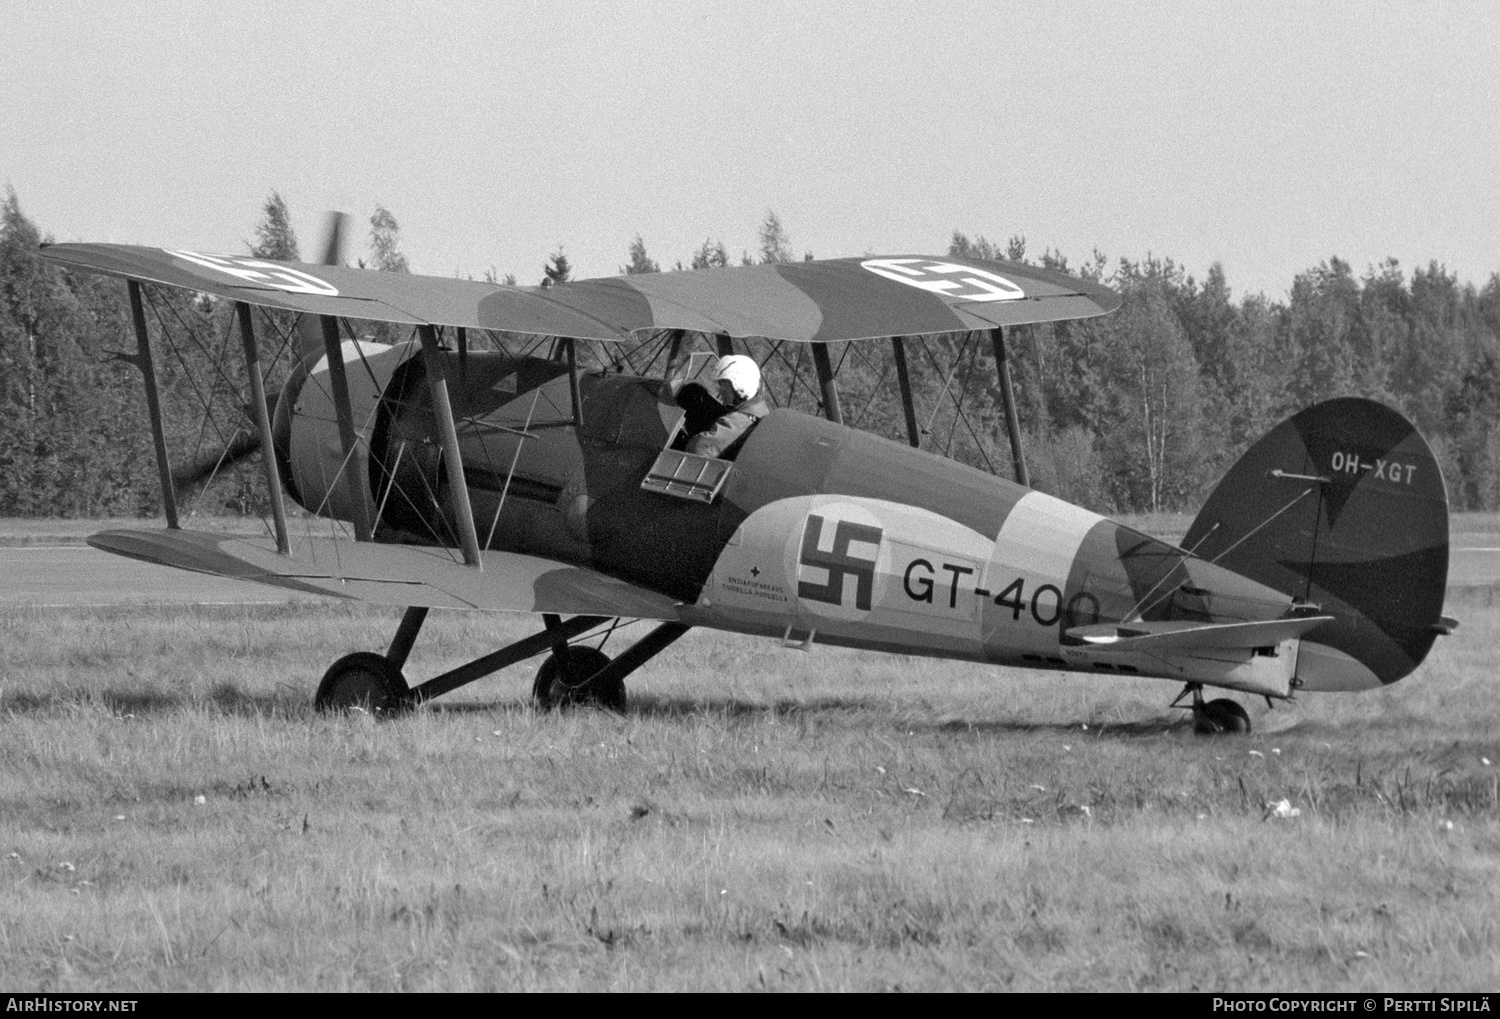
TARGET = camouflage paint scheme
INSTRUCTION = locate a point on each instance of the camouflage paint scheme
(1362, 532)
(822, 533)
(811, 302)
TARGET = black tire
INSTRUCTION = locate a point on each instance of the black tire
(1221, 716)
(564, 681)
(366, 681)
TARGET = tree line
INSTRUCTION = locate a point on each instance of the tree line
(1141, 410)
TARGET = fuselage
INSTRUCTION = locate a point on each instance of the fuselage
(821, 533)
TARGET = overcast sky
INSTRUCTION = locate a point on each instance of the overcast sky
(1267, 137)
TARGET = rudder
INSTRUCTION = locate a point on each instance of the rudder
(1342, 506)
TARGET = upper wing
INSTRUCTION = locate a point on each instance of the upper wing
(817, 301)
(402, 575)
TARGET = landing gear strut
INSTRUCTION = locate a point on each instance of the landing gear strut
(1210, 718)
(572, 675)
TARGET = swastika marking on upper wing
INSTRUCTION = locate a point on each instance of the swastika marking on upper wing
(954, 281)
(260, 274)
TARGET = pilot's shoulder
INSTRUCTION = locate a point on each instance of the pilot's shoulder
(754, 407)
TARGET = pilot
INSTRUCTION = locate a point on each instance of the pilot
(737, 379)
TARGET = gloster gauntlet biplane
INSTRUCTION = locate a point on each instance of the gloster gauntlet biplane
(482, 479)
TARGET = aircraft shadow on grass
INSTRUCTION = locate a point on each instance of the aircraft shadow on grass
(282, 704)
(227, 699)
(1096, 730)
(128, 702)
(864, 710)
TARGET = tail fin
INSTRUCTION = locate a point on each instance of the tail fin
(1341, 506)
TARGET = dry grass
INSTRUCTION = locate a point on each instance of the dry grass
(760, 818)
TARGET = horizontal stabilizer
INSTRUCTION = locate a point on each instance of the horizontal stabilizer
(403, 575)
(1186, 637)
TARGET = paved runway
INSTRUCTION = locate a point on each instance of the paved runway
(1473, 560)
(73, 575)
(57, 575)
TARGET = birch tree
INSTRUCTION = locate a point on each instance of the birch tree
(1157, 438)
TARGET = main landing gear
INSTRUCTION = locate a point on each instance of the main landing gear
(1211, 718)
(572, 674)
(566, 679)
(363, 681)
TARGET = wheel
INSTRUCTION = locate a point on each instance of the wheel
(363, 680)
(1222, 715)
(563, 681)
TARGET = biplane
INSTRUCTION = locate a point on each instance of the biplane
(455, 477)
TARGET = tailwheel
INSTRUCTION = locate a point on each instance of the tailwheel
(568, 678)
(1220, 716)
(365, 681)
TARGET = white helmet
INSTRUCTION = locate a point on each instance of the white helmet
(741, 373)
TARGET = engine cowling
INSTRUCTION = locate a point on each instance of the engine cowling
(309, 450)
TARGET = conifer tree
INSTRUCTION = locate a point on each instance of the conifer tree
(385, 243)
(558, 269)
(640, 262)
(775, 245)
(274, 237)
(711, 254)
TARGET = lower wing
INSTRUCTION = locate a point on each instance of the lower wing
(403, 575)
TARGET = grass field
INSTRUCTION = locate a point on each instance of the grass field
(173, 816)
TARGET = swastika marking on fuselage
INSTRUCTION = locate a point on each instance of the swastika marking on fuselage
(838, 562)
